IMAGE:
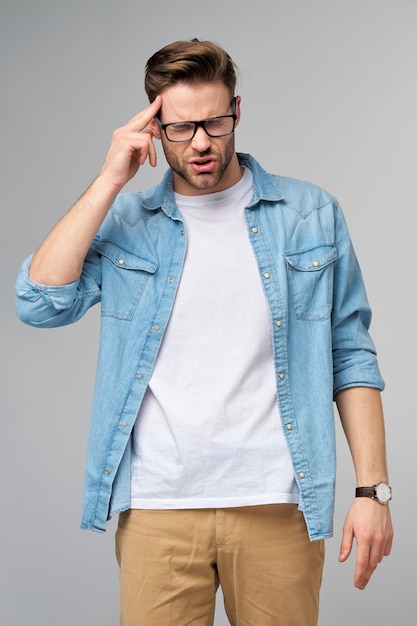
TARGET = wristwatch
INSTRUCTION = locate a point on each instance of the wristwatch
(380, 492)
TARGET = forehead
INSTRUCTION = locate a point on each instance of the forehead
(196, 101)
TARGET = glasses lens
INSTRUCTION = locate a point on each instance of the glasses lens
(219, 126)
(179, 131)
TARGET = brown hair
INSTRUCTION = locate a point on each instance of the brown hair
(189, 62)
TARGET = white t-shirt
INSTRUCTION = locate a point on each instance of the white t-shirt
(208, 433)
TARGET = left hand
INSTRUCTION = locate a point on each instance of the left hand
(370, 524)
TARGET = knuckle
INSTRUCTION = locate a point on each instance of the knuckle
(117, 133)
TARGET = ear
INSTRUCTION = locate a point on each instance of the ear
(156, 131)
(238, 101)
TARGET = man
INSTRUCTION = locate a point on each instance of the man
(233, 314)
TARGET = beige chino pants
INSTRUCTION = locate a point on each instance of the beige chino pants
(172, 562)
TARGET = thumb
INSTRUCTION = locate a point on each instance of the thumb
(345, 546)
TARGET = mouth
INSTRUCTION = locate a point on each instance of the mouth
(203, 165)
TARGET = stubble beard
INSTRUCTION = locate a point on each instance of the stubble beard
(204, 181)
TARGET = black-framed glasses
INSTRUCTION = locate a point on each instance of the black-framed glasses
(219, 126)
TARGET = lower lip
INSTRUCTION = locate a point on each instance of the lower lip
(203, 168)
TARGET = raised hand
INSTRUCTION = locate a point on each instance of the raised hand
(59, 259)
(131, 145)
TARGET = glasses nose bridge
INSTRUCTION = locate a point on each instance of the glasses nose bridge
(201, 138)
(200, 124)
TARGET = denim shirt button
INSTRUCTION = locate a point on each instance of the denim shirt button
(107, 472)
(140, 377)
(289, 426)
(267, 275)
(278, 323)
(254, 230)
(302, 475)
(281, 376)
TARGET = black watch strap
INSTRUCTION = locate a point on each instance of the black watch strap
(381, 492)
(365, 492)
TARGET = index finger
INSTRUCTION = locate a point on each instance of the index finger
(141, 120)
(363, 567)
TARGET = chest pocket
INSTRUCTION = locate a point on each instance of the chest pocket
(310, 279)
(124, 278)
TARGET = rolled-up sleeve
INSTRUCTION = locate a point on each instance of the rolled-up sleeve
(49, 306)
(354, 354)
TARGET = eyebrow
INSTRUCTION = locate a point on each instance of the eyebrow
(232, 103)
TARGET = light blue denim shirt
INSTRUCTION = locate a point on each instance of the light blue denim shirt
(319, 326)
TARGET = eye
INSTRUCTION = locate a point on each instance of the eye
(179, 128)
(216, 123)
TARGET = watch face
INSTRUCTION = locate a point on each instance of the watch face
(383, 492)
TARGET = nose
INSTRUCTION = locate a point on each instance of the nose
(200, 141)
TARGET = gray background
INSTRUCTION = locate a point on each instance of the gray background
(329, 95)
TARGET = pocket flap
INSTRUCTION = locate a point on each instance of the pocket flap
(312, 259)
(124, 259)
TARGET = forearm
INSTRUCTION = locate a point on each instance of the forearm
(361, 414)
(59, 259)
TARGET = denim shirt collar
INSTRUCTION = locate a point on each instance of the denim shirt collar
(162, 195)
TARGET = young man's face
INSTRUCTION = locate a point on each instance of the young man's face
(203, 164)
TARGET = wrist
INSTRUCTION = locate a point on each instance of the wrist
(381, 492)
(107, 185)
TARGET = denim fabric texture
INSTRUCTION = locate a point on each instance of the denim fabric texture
(320, 321)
